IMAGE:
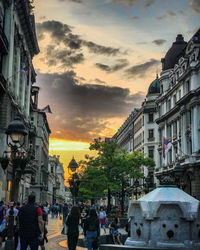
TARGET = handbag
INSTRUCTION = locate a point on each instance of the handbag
(64, 229)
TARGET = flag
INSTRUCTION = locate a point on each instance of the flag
(47, 109)
(166, 147)
(25, 71)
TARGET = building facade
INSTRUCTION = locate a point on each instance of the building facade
(171, 111)
(179, 113)
(18, 45)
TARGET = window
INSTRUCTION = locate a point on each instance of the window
(175, 128)
(169, 105)
(151, 152)
(151, 134)
(174, 97)
(150, 117)
(187, 86)
(161, 89)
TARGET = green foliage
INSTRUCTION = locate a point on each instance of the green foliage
(111, 169)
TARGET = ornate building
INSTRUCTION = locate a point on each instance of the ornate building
(179, 113)
(18, 45)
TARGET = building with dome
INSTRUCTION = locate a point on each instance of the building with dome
(179, 114)
(140, 132)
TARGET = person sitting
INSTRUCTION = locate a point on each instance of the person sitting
(116, 235)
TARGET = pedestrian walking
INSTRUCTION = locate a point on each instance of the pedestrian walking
(102, 218)
(44, 235)
(2, 211)
(72, 223)
(91, 229)
(30, 224)
(65, 212)
(14, 211)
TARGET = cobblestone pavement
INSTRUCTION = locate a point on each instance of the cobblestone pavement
(57, 241)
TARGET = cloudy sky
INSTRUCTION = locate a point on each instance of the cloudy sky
(98, 58)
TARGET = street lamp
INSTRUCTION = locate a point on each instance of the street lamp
(178, 172)
(74, 181)
(149, 182)
(16, 133)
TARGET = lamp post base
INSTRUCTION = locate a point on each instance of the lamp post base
(10, 244)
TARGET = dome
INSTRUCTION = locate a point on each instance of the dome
(174, 53)
(154, 87)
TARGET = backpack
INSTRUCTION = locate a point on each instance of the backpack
(92, 225)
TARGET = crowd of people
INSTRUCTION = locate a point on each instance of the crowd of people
(30, 223)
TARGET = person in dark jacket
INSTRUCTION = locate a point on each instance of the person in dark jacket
(30, 224)
(65, 212)
(72, 223)
(91, 229)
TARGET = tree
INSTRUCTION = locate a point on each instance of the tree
(112, 169)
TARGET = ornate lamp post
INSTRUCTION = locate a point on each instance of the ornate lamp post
(74, 181)
(149, 182)
(16, 133)
(178, 173)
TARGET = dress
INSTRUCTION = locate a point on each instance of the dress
(73, 231)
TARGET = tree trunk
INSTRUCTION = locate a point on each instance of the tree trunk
(109, 200)
(122, 198)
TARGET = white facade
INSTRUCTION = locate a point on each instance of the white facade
(179, 113)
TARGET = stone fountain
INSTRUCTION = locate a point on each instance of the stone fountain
(166, 218)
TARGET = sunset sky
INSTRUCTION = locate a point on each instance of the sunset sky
(97, 59)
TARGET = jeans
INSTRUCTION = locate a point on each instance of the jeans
(91, 235)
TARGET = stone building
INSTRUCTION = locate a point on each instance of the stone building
(18, 45)
(56, 187)
(140, 132)
(179, 113)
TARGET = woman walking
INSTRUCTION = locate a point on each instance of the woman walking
(91, 229)
(73, 230)
(102, 219)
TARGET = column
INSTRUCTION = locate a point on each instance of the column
(9, 31)
(195, 131)
(28, 90)
(18, 69)
(183, 135)
(172, 148)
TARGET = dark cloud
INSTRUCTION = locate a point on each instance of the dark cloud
(148, 3)
(122, 63)
(161, 17)
(141, 43)
(141, 70)
(57, 29)
(62, 33)
(99, 49)
(99, 81)
(159, 42)
(182, 12)
(195, 6)
(81, 110)
(171, 14)
(129, 3)
(74, 1)
(67, 58)
(135, 18)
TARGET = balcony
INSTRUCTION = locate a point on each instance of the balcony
(3, 42)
